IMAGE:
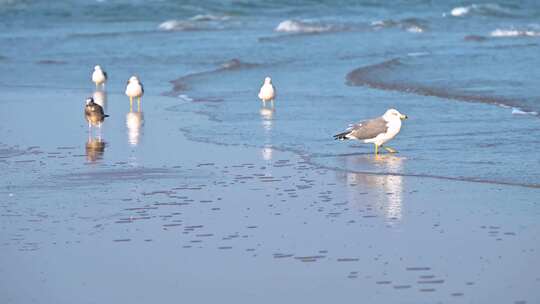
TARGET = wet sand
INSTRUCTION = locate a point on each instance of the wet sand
(138, 212)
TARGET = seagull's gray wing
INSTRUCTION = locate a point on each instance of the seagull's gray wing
(368, 129)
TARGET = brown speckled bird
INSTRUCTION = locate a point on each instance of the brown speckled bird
(94, 113)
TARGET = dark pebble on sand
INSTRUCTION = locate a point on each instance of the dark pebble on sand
(431, 282)
(418, 268)
(402, 286)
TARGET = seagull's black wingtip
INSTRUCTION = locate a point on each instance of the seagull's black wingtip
(341, 136)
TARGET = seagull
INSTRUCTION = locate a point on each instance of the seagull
(134, 88)
(376, 131)
(267, 91)
(99, 76)
(94, 113)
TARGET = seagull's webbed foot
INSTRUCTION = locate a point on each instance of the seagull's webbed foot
(390, 150)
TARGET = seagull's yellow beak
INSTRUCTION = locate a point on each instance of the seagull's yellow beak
(403, 117)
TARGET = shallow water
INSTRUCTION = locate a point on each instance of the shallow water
(206, 189)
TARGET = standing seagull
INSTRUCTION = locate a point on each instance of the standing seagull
(94, 113)
(99, 76)
(376, 131)
(134, 88)
(267, 91)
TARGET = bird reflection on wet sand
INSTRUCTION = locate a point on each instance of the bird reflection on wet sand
(267, 115)
(134, 122)
(100, 97)
(378, 176)
(95, 148)
(267, 152)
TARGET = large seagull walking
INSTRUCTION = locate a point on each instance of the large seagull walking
(377, 131)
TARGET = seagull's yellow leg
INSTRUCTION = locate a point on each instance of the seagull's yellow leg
(130, 104)
(391, 150)
(376, 149)
(139, 104)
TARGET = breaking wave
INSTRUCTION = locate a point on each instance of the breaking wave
(296, 26)
(195, 23)
(413, 25)
(518, 111)
(486, 9)
(377, 76)
(514, 33)
(181, 84)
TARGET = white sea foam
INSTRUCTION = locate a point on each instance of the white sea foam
(378, 23)
(295, 26)
(209, 17)
(177, 25)
(411, 25)
(415, 29)
(197, 22)
(518, 111)
(487, 9)
(514, 33)
(184, 97)
(460, 11)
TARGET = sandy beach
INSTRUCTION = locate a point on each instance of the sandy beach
(204, 194)
(251, 224)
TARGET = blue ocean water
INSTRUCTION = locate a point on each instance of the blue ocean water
(206, 194)
(465, 73)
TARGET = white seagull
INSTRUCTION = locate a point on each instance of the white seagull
(99, 77)
(134, 88)
(267, 91)
(376, 131)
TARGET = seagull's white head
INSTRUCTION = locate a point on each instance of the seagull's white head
(267, 80)
(89, 100)
(133, 79)
(97, 68)
(393, 114)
